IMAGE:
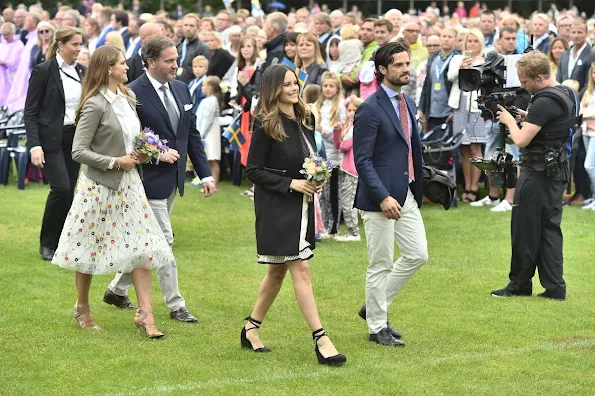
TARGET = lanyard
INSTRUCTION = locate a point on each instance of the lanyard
(440, 71)
(184, 50)
(69, 76)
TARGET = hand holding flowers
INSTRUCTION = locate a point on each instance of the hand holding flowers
(148, 146)
(317, 171)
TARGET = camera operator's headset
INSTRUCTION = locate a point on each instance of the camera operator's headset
(557, 130)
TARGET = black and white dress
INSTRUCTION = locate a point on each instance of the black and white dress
(305, 252)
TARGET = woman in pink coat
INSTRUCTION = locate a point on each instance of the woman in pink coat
(11, 48)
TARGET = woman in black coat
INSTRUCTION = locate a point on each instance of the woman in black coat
(53, 95)
(221, 60)
(283, 136)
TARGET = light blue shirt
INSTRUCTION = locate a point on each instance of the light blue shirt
(395, 102)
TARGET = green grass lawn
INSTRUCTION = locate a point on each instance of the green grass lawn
(460, 340)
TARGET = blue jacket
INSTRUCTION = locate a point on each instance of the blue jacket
(381, 153)
(160, 180)
(103, 35)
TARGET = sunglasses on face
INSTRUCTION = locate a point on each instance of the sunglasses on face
(433, 45)
(44, 31)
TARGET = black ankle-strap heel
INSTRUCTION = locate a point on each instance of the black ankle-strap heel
(336, 360)
(245, 342)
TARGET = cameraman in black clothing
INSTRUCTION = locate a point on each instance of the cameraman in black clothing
(537, 210)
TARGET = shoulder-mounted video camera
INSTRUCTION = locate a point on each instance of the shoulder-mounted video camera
(497, 81)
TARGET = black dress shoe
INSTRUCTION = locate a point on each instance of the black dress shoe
(510, 293)
(183, 315)
(546, 295)
(393, 332)
(383, 337)
(122, 302)
(46, 253)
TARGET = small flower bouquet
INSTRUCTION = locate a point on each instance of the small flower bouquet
(148, 144)
(317, 170)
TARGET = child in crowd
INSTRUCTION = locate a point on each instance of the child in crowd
(83, 58)
(200, 65)
(332, 110)
(310, 95)
(343, 138)
(332, 55)
(350, 48)
(207, 122)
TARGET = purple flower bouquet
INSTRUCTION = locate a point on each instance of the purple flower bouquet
(149, 144)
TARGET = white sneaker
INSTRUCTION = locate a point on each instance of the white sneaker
(485, 201)
(326, 235)
(590, 206)
(348, 238)
(503, 206)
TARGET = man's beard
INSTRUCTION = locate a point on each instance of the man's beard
(399, 81)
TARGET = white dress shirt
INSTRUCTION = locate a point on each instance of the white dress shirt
(131, 46)
(157, 85)
(128, 119)
(572, 61)
(72, 84)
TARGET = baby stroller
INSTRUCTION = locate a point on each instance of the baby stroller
(440, 147)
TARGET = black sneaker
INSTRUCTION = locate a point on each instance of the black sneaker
(508, 293)
(545, 295)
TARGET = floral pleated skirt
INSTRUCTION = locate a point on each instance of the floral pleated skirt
(110, 230)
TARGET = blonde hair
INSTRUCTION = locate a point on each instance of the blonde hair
(479, 35)
(216, 35)
(349, 32)
(534, 64)
(354, 101)
(590, 87)
(97, 75)
(43, 25)
(311, 93)
(62, 35)
(337, 100)
(200, 59)
(317, 55)
(115, 39)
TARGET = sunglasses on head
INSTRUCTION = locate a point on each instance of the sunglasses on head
(44, 31)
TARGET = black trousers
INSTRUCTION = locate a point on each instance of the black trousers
(536, 234)
(62, 173)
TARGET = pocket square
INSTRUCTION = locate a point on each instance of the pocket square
(187, 107)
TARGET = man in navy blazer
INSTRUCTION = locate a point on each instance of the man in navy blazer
(579, 66)
(164, 106)
(388, 158)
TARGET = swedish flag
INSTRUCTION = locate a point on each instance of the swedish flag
(233, 134)
(301, 75)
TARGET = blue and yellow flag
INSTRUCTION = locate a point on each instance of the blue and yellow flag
(233, 134)
(301, 75)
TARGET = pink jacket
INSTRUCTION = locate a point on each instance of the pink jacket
(346, 147)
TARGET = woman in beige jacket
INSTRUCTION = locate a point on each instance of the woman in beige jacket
(110, 226)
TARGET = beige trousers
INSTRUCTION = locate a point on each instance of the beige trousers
(385, 279)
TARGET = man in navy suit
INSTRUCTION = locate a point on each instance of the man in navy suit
(166, 108)
(388, 158)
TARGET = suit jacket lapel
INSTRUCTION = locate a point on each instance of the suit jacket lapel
(156, 101)
(55, 72)
(387, 105)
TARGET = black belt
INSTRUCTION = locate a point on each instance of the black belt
(69, 128)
